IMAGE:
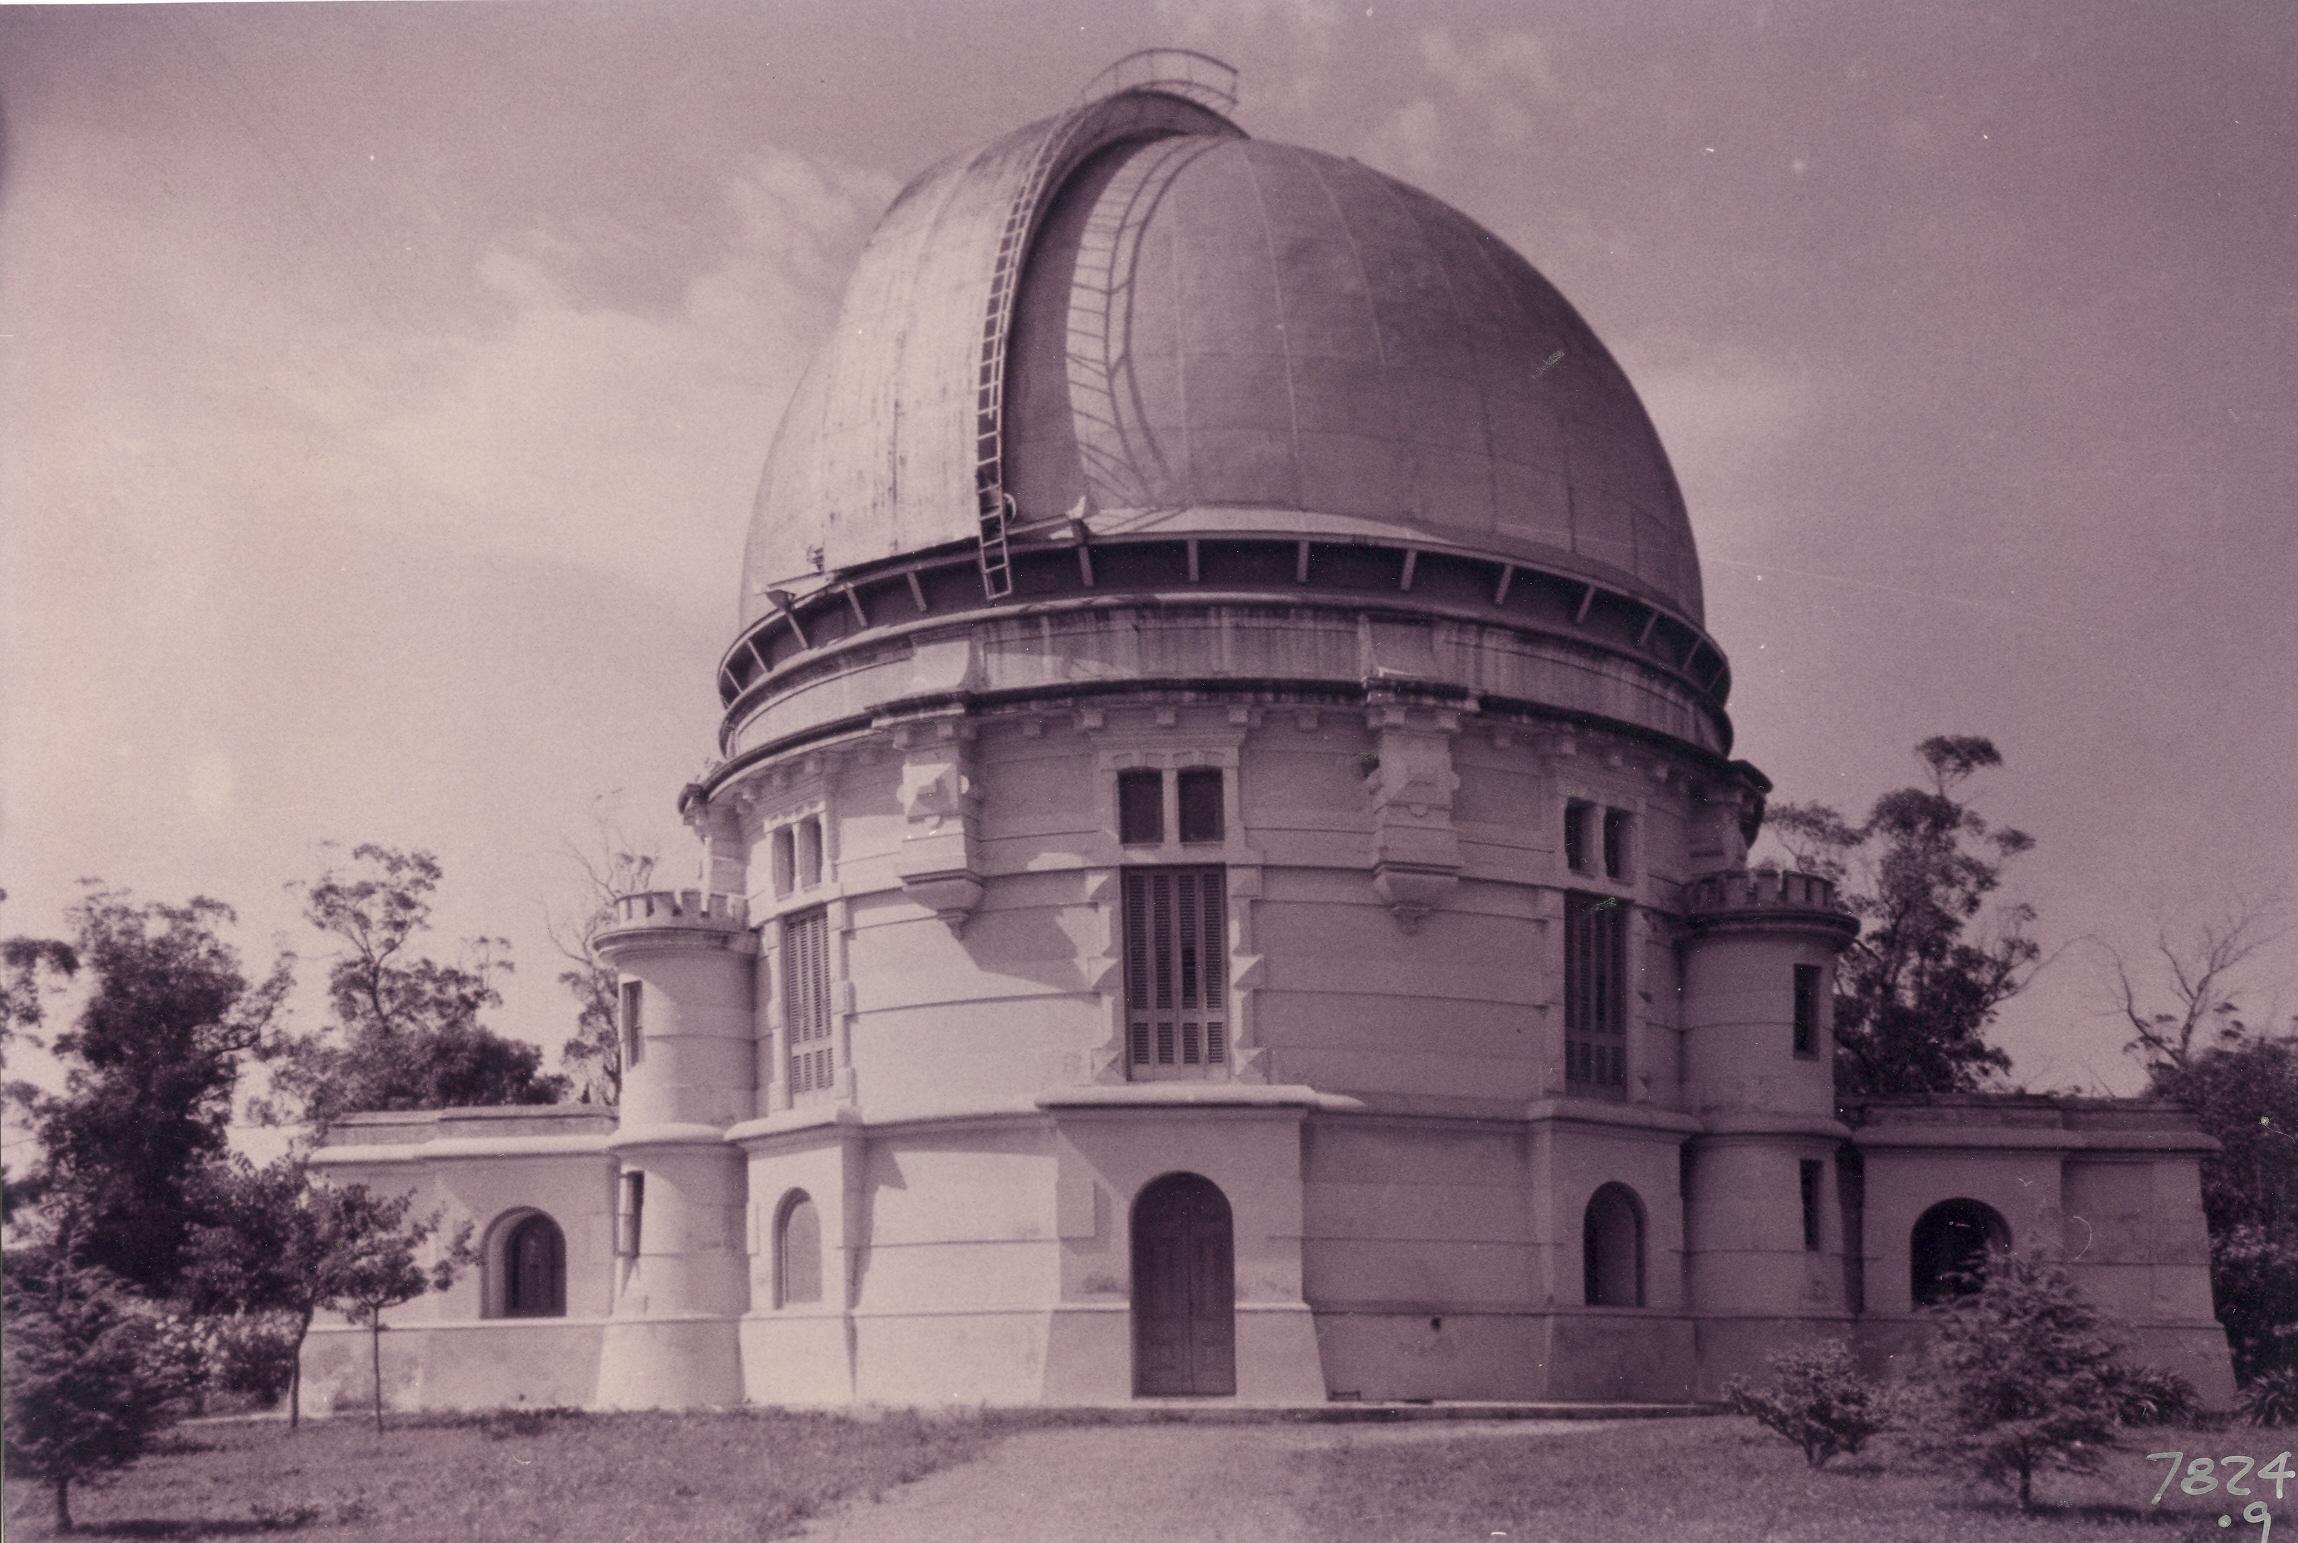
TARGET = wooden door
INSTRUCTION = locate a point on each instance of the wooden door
(1184, 1290)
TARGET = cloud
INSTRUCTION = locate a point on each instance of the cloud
(1489, 90)
(1507, 61)
(621, 440)
(1302, 39)
(1729, 416)
(1503, 77)
(1408, 143)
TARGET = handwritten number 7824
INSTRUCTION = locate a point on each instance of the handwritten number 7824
(2201, 1477)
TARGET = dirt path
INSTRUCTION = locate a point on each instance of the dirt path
(1136, 1484)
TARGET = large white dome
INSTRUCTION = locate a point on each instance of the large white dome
(1220, 335)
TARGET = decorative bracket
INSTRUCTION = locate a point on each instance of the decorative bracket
(941, 804)
(1411, 782)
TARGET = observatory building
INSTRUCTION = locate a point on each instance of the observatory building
(1226, 875)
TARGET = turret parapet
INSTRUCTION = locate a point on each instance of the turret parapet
(681, 907)
(702, 916)
(1760, 889)
(1739, 897)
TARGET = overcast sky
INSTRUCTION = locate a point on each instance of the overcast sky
(384, 387)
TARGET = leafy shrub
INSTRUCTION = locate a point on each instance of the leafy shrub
(2254, 1276)
(2152, 1395)
(252, 1354)
(2021, 1375)
(1816, 1398)
(176, 1353)
(2271, 1397)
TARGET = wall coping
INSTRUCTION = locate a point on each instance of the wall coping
(2030, 1120)
(469, 1148)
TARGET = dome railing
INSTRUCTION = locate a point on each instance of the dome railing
(1181, 72)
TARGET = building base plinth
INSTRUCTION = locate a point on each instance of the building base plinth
(669, 1363)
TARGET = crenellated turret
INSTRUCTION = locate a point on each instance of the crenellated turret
(1763, 1213)
(686, 1009)
(687, 962)
(1758, 981)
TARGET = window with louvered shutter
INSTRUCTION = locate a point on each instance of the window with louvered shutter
(1595, 994)
(806, 1000)
(1176, 972)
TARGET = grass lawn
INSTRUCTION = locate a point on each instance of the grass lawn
(756, 1475)
(1725, 1481)
(693, 1478)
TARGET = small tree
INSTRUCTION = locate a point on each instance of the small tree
(2244, 1094)
(406, 1032)
(1816, 1398)
(613, 865)
(87, 1387)
(1916, 992)
(2188, 997)
(2021, 1375)
(372, 1263)
(266, 1251)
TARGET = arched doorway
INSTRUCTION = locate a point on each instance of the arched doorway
(798, 1252)
(1948, 1248)
(1612, 1248)
(534, 1269)
(1184, 1289)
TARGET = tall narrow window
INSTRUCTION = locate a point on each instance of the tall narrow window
(1808, 1178)
(1141, 807)
(630, 1221)
(1851, 1207)
(785, 861)
(1595, 994)
(1617, 855)
(633, 1040)
(1177, 972)
(809, 852)
(1807, 1009)
(1200, 804)
(806, 999)
(798, 1253)
(1576, 836)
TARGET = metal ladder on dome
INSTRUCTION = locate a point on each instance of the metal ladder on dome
(1181, 72)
